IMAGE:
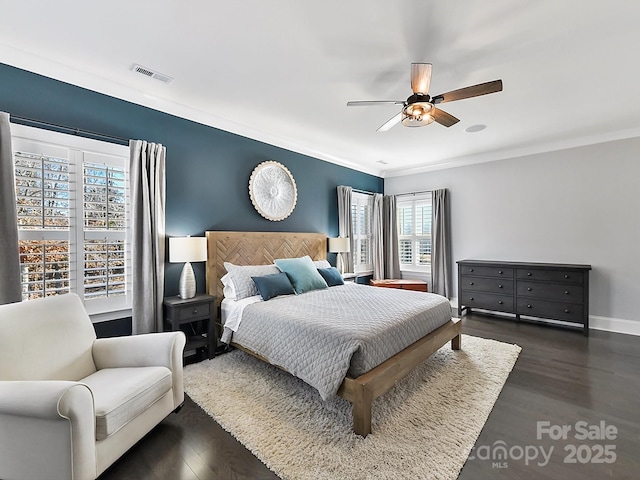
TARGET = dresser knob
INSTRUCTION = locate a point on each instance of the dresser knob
(470, 298)
(566, 292)
(566, 310)
(528, 274)
(470, 283)
(528, 306)
(566, 276)
(529, 289)
(500, 302)
(500, 272)
(195, 311)
(499, 286)
(471, 269)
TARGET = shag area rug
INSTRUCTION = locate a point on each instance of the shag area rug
(423, 428)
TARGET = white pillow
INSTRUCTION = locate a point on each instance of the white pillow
(242, 281)
(229, 289)
(322, 263)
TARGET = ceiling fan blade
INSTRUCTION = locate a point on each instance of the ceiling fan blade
(390, 123)
(366, 103)
(420, 77)
(443, 118)
(468, 92)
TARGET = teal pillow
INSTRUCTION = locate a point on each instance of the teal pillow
(332, 276)
(302, 272)
(273, 285)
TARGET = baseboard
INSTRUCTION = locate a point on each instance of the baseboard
(616, 325)
(607, 324)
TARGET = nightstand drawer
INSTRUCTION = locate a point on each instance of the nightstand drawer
(548, 309)
(551, 291)
(194, 312)
(492, 285)
(563, 276)
(487, 300)
(482, 271)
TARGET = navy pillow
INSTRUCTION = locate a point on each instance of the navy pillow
(331, 276)
(273, 285)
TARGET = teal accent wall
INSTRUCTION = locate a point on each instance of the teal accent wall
(207, 169)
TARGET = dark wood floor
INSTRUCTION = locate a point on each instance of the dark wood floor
(561, 377)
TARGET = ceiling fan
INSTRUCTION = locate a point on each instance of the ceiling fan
(420, 109)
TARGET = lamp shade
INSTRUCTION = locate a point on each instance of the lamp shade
(187, 249)
(339, 245)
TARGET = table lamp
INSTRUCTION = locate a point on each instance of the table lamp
(339, 245)
(187, 249)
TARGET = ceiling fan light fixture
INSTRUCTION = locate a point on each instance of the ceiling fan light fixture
(417, 121)
(417, 114)
(418, 109)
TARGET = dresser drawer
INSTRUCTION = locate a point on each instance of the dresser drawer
(564, 276)
(193, 312)
(482, 271)
(492, 285)
(549, 309)
(551, 291)
(487, 300)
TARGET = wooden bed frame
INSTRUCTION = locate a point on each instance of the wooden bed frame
(262, 248)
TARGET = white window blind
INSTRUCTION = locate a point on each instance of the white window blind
(72, 201)
(361, 209)
(414, 232)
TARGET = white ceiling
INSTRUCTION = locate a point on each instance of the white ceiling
(281, 71)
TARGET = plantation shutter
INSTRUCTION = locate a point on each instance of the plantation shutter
(43, 203)
(104, 227)
(72, 204)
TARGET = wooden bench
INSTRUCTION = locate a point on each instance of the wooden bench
(417, 285)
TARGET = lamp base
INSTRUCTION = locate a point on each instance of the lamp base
(340, 263)
(187, 287)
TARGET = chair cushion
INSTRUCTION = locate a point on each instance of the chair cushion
(121, 394)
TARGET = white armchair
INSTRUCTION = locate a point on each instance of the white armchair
(71, 404)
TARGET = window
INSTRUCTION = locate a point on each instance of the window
(414, 232)
(72, 201)
(361, 207)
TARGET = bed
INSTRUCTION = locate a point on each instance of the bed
(365, 376)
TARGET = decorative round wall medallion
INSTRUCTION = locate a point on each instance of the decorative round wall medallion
(273, 191)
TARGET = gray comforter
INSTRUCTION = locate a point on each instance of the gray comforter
(323, 335)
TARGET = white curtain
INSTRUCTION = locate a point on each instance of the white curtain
(10, 289)
(441, 244)
(390, 231)
(345, 226)
(377, 237)
(148, 193)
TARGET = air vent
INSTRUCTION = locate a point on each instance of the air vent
(147, 72)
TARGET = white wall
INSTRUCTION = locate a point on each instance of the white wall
(571, 206)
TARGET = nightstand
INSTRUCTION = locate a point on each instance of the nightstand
(350, 277)
(191, 312)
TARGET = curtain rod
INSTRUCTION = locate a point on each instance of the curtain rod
(357, 190)
(75, 131)
(413, 193)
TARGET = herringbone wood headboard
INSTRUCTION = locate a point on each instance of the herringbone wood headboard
(257, 248)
